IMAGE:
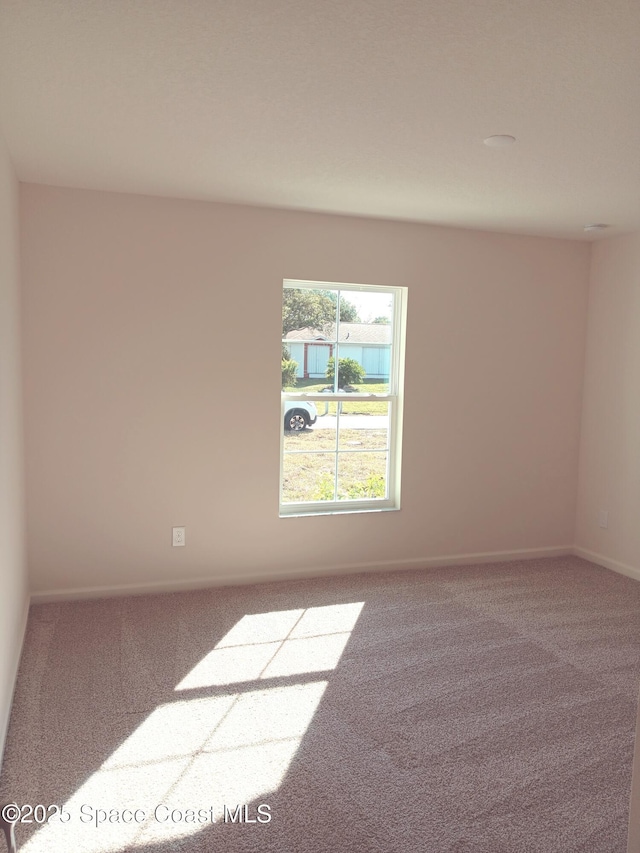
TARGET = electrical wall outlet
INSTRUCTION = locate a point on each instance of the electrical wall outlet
(178, 537)
(603, 518)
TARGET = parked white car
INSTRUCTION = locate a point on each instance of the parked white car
(299, 415)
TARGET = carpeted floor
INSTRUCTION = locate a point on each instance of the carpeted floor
(481, 708)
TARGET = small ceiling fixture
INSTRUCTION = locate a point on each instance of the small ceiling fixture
(501, 140)
(596, 226)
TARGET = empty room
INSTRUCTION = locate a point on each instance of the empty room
(386, 599)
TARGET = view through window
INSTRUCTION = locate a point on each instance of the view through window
(342, 368)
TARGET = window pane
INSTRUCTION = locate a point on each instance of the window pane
(362, 476)
(364, 341)
(308, 477)
(308, 337)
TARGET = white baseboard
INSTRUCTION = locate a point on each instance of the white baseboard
(4, 722)
(250, 577)
(607, 563)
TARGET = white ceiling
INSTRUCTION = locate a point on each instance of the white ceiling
(374, 107)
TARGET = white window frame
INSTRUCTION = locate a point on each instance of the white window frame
(395, 398)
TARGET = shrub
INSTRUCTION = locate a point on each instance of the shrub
(374, 487)
(350, 372)
(289, 371)
(324, 489)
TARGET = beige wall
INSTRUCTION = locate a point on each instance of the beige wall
(610, 434)
(13, 581)
(152, 389)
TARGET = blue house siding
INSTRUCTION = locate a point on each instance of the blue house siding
(366, 343)
(312, 358)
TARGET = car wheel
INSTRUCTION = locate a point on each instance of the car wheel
(295, 420)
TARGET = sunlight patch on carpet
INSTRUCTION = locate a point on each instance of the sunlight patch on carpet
(191, 757)
(267, 645)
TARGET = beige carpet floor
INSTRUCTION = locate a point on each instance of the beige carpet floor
(481, 708)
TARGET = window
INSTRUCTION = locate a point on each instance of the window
(341, 417)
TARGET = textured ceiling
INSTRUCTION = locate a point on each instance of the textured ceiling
(350, 106)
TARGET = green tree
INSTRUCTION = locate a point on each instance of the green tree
(382, 321)
(315, 309)
(350, 371)
(348, 311)
(302, 308)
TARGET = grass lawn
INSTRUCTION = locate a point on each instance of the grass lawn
(362, 465)
(325, 439)
(352, 407)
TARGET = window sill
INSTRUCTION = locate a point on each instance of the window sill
(299, 512)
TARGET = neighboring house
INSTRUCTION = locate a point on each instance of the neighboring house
(366, 343)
